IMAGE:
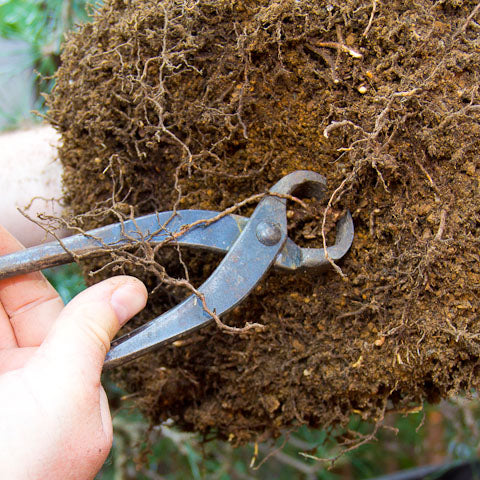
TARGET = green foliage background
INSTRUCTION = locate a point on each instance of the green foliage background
(42, 25)
(449, 431)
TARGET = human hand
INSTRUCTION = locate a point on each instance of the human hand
(55, 421)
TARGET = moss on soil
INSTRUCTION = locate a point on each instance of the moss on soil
(203, 103)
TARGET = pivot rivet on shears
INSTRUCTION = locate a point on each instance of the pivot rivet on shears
(268, 233)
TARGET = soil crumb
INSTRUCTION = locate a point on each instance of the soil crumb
(200, 104)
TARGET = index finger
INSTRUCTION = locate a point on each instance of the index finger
(30, 302)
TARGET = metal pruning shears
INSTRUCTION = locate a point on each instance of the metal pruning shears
(252, 245)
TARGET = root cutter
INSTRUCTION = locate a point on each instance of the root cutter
(251, 246)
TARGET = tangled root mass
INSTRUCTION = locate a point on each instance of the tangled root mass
(200, 104)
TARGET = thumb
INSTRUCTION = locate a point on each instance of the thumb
(80, 338)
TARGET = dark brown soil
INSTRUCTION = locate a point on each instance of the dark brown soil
(380, 97)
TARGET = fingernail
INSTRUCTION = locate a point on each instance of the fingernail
(128, 300)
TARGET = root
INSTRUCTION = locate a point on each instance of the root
(336, 193)
(216, 318)
(121, 257)
(464, 27)
(199, 105)
(358, 440)
(429, 178)
(441, 227)
(370, 20)
(340, 45)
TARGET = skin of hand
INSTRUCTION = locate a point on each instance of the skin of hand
(55, 421)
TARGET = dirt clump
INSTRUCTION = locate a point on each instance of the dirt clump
(199, 104)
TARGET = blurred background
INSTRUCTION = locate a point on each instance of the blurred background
(31, 35)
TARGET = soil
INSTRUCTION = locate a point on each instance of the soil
(200, 104)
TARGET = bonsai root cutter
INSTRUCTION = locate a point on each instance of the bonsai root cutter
(251, 246)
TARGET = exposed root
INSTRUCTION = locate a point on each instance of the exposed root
(339, 46)
(199, 104)
(352, 444)
(441, 227)
(370, 20)
(227, 328)
(120, 256)
(464, 27)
